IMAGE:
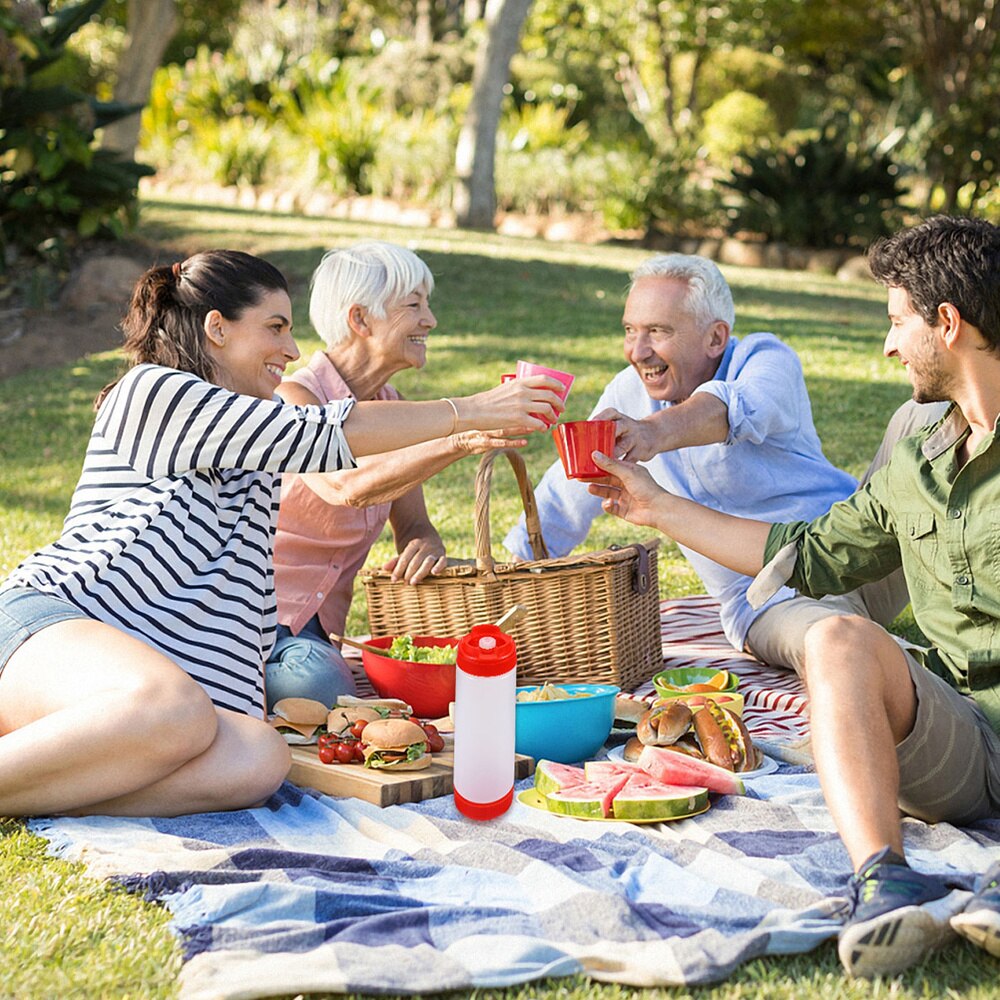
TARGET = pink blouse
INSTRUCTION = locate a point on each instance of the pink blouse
(320, 547)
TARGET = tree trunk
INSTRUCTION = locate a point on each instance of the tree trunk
(472, 10)
(151, 24)
(474, 200)
(423, 24)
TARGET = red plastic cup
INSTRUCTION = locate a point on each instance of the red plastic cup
(525, 368)
(575, 441)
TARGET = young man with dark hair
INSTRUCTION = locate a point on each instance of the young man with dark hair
(897, 727)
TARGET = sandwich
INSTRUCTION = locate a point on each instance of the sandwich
(395, 744)
(340, 720)
(385, 706)
(297, 719)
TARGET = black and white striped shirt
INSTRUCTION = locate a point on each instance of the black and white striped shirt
(170, 532)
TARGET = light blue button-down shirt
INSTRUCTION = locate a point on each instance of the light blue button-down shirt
(770, 468)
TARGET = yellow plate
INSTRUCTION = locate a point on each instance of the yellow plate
(533, 800)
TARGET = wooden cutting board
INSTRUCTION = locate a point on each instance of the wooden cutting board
(383, 788)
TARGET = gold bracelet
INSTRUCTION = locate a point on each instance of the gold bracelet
(454, 410)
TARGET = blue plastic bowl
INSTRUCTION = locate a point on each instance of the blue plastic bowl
(565, 730)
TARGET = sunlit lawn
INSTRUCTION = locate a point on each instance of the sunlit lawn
(497, 300)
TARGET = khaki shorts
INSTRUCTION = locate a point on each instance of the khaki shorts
(777, 634)
(949, 765)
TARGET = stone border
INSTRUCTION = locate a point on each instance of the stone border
(847, 264)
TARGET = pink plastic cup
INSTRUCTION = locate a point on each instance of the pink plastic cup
(575, 441)
(525, 368)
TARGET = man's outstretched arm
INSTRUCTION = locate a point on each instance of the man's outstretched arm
(632, 495)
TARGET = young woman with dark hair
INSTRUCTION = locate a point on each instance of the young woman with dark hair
(132, 648)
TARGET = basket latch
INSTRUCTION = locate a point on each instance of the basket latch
(640, 577)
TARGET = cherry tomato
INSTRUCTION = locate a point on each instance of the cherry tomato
(359, 752)
(325, 740)
(435, 741)
(344, 753)
(326, 754)
(358, 728)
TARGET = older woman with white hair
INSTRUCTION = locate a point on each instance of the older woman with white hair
(370, 305)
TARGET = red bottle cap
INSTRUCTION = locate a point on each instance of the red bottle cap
(484, 810)
(486, 652)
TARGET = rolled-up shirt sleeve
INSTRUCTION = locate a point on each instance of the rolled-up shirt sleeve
(853, 544)
(756, 399)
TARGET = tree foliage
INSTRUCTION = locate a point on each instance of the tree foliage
(952, 52)
(55, 182)
(639, 109)
(828, 191)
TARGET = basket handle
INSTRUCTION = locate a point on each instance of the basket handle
(484, 477)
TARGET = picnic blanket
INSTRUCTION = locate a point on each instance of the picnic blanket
(315, 894)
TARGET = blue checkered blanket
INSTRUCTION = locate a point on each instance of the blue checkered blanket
(315, 894)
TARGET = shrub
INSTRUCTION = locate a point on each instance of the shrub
(56, 185)
(763, 74)
(341, 117)
(826, 192)
(666, 189)
(737, 123)
(414, 77)
(415, 160)
(549, 178)
(542, 126)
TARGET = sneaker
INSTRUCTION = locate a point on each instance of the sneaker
(889, 928)
(980, 920)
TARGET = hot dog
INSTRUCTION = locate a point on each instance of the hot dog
(663, 724)
(712, 733)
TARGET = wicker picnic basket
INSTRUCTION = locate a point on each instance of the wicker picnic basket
(592, 618)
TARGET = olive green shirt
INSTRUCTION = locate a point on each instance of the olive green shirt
(942, 524)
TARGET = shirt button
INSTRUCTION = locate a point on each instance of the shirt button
(319, 593)
(954, 512)
(963, 580)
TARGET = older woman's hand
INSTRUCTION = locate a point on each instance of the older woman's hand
(479, 442)
(420, 558)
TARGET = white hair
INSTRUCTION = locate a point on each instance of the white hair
(372, 274)
(709, 297)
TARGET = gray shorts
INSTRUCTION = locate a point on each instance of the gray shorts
(23, 612)
(949, 765)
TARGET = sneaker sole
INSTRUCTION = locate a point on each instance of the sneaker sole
(891, 942)
(981, 927)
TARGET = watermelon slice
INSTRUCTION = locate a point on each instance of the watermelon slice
(552, 777)
(673, 768)
(580, 801)
(644, 798)
(590, 799)
(598, 770)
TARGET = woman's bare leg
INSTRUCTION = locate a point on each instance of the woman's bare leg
(245, 764)
(91, 717)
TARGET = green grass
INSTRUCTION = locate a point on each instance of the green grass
(497, 299)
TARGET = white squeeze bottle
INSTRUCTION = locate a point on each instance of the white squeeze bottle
(485, 690)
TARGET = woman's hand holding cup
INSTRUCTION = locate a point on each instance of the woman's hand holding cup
(519, 405)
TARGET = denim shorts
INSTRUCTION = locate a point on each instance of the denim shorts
(23, 612)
